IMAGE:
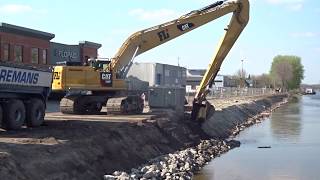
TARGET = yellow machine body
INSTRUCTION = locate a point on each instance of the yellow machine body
(83, 78)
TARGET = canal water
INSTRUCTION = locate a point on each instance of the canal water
(292, 132)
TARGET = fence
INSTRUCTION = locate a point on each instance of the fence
(227, 92)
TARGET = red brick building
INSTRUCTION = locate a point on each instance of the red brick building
(24, 45)
(29, 46)
(88, 50)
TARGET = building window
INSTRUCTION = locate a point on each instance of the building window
(35, 55)
(158, 81)
(167, 73)
(173, 73)
(18, 53)
(44, 56)
(6, 51)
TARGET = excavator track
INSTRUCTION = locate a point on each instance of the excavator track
(125, 105)
(67, 105)
(115, 105)
(81, 104)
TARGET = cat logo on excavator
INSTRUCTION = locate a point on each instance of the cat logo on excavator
(106, 79)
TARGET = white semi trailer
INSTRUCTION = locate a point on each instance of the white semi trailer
(24, 91)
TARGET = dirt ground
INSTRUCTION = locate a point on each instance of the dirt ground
(82, 147)
(87, 147)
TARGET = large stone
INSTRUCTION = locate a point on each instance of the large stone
(149, 174)
(109, 177)
(187, 166)
(117, 173)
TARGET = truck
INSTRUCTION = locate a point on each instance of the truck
(24, 91)
(104, 82)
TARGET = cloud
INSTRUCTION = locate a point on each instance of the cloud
(284, 1)
(304, 34)
(159, 15)
(15, 8)
(20, 9)
(293, 5)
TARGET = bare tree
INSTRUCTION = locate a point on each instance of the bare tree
(241, 74)
(240, 77)
(262, 80)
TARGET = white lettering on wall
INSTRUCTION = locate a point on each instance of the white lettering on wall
(66, 54)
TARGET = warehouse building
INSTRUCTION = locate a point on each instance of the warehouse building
(157, 74)
(29, 46)
(166, 84)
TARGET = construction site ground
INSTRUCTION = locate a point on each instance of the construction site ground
(89, 146)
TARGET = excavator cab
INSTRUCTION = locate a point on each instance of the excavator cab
(100, 65)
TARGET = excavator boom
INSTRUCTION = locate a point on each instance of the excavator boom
(147, 39)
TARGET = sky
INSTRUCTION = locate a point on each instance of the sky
(276, 27)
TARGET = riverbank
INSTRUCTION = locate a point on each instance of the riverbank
(89, 149)
(229, 118)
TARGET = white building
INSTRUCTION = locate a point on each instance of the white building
(157, 74)
(194, 77)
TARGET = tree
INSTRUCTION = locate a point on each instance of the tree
(261, 81)
(240, 77)
(287, 71)
(298, 72)
(241, 74)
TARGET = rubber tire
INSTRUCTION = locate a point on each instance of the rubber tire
(10, 120)
(35, 113)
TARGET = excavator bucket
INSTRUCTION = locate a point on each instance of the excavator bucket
(201, 111)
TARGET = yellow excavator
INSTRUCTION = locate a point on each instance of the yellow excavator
(104, 82)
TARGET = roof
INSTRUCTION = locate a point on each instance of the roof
(9, 28)
(161, 64)
(90, 44)
(196, 72)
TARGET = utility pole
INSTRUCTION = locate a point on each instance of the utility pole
(242, 78)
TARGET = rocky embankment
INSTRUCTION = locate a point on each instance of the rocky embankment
(165, 146)
(227, 120)
(179, 165)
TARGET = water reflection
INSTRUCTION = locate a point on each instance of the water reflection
(286, 122)
(293, 134)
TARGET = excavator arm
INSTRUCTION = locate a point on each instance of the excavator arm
(147, 39)
(238, 22)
